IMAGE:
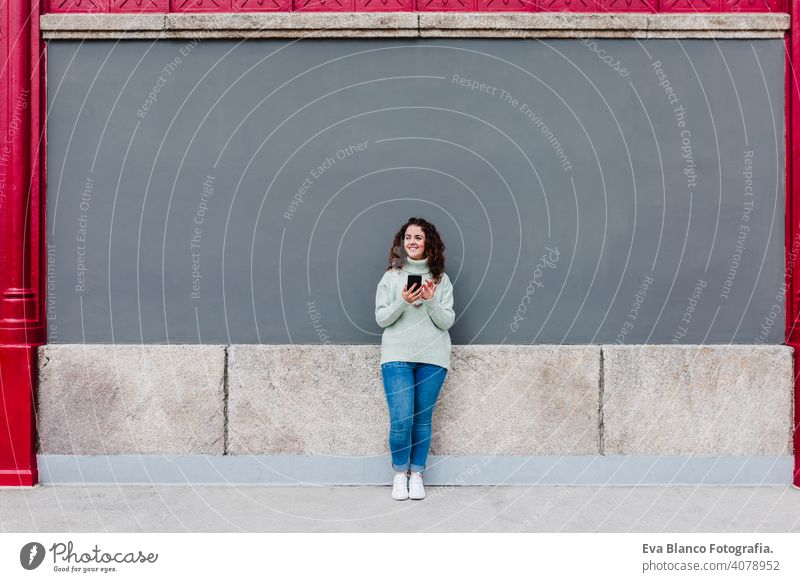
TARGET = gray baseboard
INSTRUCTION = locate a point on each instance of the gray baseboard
(441, 470)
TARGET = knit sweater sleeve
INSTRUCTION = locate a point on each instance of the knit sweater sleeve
(386, 310)
(440, 306)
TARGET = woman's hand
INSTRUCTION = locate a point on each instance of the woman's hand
(410, 296)
(428, 289)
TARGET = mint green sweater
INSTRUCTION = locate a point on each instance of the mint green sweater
(414, 332)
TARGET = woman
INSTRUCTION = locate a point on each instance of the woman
(415, 347)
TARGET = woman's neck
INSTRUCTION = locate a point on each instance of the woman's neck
(416, 266)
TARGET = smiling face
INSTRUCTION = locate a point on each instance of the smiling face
(414, 242)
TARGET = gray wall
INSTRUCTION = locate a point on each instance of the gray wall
(638, 215)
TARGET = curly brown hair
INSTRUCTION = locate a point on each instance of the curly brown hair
(434, 248)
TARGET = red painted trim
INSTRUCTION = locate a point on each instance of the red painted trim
(21, 305)
(37, 143)
(17, 416)
(262, 5)
(200, 5)
(667, 6)
(506, 6)
(792, 108)
(690, 6)
(384, 6)
(568, 6)
(77, 5)
(323, 5)
(752, 5)
(629, 6)
(137, 6)
(22, 324)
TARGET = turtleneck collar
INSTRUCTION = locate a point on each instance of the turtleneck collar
(416, 266)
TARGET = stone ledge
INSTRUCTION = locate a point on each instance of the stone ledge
(306, 399)
(93, 22)
(533, 20)
(414, 24)
(292, 20)
(230, 25)
(312, 399)
(147, 399)
(697, 399)
(616, 25)
(719, 21)
(520, 400)
(296, 399)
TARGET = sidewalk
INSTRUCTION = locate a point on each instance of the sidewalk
(237, 508)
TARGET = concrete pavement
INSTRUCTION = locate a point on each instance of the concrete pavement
(255, 508)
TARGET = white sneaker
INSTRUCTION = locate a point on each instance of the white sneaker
(400, 487)
(415, 488)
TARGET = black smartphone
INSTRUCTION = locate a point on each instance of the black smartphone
(414, 279)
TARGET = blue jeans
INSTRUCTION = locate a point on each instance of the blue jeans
(411, 392)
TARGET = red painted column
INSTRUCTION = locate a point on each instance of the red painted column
(22, 322)
(792, 108)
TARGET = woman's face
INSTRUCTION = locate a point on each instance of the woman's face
(414, 242)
